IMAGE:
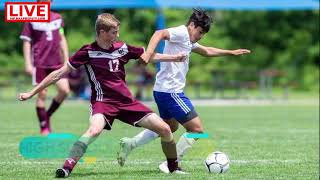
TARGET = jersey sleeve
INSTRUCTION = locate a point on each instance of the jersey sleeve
(134, 52)
(80, 58)
(194, 45)
(176, 34)
(26, 33)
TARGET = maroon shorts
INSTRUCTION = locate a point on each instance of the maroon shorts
(130, 113)
(39, 74)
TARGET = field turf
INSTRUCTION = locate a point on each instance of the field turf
(262, 142)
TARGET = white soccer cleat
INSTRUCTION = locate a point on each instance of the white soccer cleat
(126, 147)
(179, 171)
(164, 167)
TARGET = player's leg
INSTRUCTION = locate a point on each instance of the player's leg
(164, 102)
(184, 112)
(42, 114)
(154, 123)
(97, 124)
(139, 115)
(128, 144)
(185, 143)
(173, 123)
(145, 136)
(63, 90)
(38, 75)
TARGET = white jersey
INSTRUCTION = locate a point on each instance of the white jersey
(172, 75)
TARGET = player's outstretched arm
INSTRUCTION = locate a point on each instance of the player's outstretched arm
(50, 79)
(157, 57)
(154, 41)
(213, 52)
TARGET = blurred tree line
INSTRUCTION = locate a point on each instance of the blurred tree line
(284, 40)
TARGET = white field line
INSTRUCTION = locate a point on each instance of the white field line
(248, 102)
(264, 130)
(7, 145)
(146, 162)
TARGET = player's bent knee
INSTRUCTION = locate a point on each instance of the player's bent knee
(165, 133)
(63, 87)
(64, 91)
(94, 131)
(97, 123)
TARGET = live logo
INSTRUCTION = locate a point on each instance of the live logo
(27, 12)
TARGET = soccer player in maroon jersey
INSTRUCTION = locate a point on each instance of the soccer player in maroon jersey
(44, 50)
(111, 99)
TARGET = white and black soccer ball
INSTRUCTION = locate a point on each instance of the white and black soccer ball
(217, 162)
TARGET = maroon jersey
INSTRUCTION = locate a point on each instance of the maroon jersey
(45, 41)
(106, 72)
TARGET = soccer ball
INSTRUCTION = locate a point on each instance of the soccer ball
(217, 162)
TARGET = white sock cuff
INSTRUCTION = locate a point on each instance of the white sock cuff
(144, 137)
(183, 145)
(190, 141)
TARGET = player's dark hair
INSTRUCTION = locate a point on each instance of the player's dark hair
(200, 18)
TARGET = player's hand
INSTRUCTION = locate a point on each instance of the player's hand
(28, 69)
(24, 96)
(240, 52)
(180, 57)
(147, 56)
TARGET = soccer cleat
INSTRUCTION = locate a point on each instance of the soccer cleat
(179, 171)
(62, 173)
(125, 149)
(164, 167)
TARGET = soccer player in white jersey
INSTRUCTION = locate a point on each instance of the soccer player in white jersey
(174, 107)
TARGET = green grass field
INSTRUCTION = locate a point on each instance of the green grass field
(262, 142)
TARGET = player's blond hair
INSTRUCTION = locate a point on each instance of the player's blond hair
(106, 21)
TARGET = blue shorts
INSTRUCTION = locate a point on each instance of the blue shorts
(174, 105)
